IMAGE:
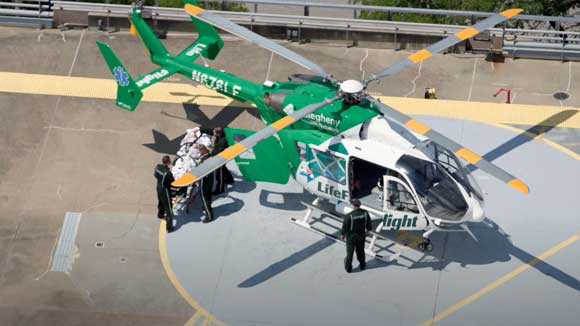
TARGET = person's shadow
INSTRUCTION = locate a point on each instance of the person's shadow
(223, 205)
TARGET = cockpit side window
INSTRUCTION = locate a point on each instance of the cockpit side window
(437, 191)
(327, 165)
(451, 163)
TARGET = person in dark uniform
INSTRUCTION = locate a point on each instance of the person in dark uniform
(223, 176)
(355, 226)
(164, 179)
(205, 188)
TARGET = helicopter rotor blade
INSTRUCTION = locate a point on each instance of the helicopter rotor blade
(246, 34)
(215, 162)
(451, 145)
(445, 43)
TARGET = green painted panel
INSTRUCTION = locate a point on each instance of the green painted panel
(269, 162)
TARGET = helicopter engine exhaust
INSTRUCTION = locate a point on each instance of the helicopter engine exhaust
(276, 100)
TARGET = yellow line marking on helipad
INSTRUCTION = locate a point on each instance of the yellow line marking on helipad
(166, 92)
(481, 111)
(200, 313)
(502, 280)
(192, 320)
(107, 89)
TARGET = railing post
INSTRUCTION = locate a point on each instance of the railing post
(306, 11)
(515, 46)
(255, 8)
(154, 16)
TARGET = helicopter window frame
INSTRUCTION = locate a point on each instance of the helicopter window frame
(453, 165)
(450, 163)
(405, 201)
(315, 158)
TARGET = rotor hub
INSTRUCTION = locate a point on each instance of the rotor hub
(352, 91)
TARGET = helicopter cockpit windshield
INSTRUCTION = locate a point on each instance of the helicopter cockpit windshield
(452, 164)
(437, 191)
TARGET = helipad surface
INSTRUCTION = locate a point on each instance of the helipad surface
(251, 266)
(68, 151)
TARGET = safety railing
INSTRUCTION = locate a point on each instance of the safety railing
(29, 12)
(513, 40)
(250, 18)
(356, 8)
(36, 8)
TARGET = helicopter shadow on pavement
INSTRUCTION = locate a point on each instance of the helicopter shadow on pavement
(333, 229)
(288, 201)
(287, 263)
(494, 246)
(163, 145)
(539, 129)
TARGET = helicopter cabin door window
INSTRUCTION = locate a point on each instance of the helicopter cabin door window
(398, 198)
(400, 206)
(326, 164)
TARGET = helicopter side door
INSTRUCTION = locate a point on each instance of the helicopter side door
(401, 211)
(324, 173)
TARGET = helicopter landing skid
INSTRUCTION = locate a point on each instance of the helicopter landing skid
(305, 222)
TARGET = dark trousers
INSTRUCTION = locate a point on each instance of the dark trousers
(223, 176)
(206, 203)
(164, 206)
(355, 242)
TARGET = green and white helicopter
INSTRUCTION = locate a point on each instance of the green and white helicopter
(333, 138)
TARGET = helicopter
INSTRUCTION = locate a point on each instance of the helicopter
(331, 136)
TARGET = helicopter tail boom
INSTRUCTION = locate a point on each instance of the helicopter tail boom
(128, 93)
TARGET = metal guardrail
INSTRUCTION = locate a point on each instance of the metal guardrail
(403, 10)
(511, 38)
(269, 19)
(250, 18)
(30, 12)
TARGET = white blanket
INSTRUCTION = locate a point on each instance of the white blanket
(188, 156)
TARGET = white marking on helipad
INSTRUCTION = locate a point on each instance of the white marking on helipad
(64, 254)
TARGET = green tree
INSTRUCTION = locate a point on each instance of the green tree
(531, 7)
(224, 5)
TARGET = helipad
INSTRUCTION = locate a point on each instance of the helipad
(68, 151)
(252, 266)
